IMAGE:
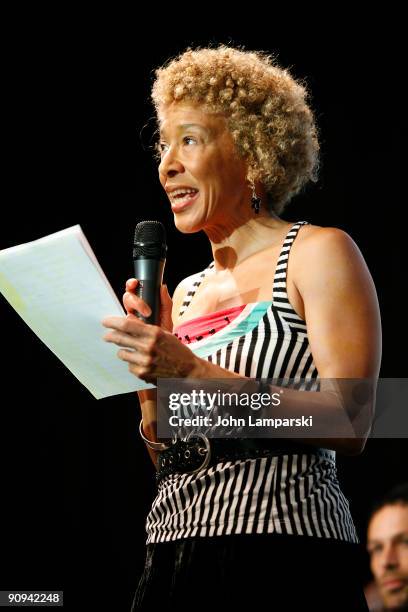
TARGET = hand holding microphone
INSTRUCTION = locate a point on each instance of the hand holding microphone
(154, 351)
(132, 304)
(145, 295)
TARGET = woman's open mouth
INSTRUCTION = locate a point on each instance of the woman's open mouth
(180, 201)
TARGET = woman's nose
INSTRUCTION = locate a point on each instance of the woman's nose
(170, 164)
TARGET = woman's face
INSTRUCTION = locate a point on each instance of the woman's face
(198, 154)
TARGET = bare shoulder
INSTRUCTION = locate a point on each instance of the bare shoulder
(315, 235)
(317, 246)
(318, 241)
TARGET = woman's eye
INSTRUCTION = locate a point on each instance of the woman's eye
(189, 138)
(161, 147)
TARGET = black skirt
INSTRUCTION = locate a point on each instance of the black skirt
(279, 572)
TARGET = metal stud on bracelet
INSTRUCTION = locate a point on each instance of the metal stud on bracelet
(158, 446)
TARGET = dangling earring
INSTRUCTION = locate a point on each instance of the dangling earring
(255, 199)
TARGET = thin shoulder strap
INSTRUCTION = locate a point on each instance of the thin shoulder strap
(279, 292)
(196, 281)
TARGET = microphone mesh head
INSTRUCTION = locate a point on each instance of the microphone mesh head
(150, 240)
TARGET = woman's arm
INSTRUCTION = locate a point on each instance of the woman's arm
(344, 331)
(148, 397)
(148, 407)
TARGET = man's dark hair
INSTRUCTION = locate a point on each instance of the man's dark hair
(397, 495)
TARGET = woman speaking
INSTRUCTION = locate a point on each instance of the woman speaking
(237, 140)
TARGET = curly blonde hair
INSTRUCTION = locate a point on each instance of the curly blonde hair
(266, 110)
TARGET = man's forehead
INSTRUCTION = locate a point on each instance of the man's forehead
(388, 522)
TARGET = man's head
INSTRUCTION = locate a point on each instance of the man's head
(387, 544)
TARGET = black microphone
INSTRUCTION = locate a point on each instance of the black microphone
(149, 259)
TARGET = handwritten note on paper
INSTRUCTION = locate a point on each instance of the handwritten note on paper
(58, 288)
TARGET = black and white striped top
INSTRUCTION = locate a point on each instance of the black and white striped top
(295, 494)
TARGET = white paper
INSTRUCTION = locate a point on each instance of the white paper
(58, 288)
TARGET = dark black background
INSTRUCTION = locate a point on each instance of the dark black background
(77, 481)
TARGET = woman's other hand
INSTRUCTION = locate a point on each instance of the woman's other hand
(151, 351)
